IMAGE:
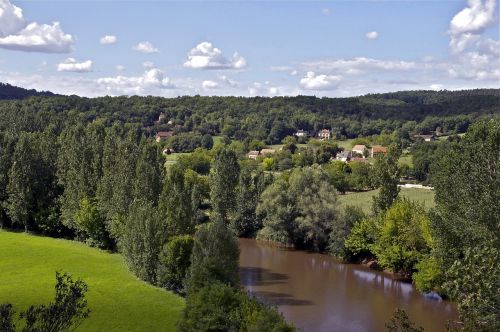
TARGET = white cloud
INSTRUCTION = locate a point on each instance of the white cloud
(359, 65)
(436, 87)
(11, 18)
(150, 82)
(274, 90)
(17, 34)
(70, 64)
(148, 64)
(228, 81)
(205, 56)
(146, 47)
(372, 35)
(475, 66)
(120, 68)
(210, 85)
(326, 11)
(471, 21)
(319, 82)
(108, 39)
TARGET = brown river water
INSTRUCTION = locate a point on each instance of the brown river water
(317, 293)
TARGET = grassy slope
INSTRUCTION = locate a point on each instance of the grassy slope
(364, 199)
(118, 301)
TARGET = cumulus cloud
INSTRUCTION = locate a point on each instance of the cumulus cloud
(17, 34)
(372, 35)
(210, 85)
(70, 64)
(108, 39)
(206, 56)
(471, 21)
(149, 82)
(146, 47)
(120, 68)
(319, 82)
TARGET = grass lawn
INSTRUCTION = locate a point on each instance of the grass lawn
(364, 199)
(346, 144)
(406, 158)
(118, 301)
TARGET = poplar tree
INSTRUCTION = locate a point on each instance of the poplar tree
(223, 181)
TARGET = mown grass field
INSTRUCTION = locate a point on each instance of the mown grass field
(364, 199)
(118, 301)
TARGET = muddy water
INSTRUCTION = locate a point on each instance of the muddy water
(317, 293)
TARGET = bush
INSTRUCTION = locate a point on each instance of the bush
(219, 307)
(175, 262)
(215, 257)
(341, 229)
(363, 235)
(404, 237)
(428, 275)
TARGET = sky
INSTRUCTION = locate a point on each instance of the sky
(249, 48)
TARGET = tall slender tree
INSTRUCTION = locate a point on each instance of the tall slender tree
(223, 181)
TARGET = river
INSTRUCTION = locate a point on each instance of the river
(317, 293)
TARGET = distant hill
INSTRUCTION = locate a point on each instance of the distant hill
(8, 91)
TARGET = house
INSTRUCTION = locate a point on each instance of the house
(266, 152)
(163, 135)
(359, 149)
(377, 149)
(301, 133)
(344, 156)
(253, 154)
(324, 134)
(427, 138)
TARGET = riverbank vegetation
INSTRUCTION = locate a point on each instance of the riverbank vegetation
(91, 170)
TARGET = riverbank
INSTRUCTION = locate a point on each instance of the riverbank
(318, 293)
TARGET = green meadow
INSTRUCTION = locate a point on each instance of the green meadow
(117, 299)
(364, 199)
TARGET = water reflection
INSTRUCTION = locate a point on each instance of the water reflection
(318, 293)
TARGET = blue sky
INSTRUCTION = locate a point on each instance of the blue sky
(324, 48)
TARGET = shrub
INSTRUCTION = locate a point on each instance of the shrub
(175, 262)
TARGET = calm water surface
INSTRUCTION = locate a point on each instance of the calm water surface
(317, 293)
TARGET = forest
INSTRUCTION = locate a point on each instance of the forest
(91, 170)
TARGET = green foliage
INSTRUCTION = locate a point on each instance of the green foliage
(400, 322)
(341, 228)
(339, 173)
(175, 262)
(223, 181)
(246, 223)
(218, 307)
(429, 275)
(148, 174)
(142, 239)
(474, 283)
(215, 257)
(176, 202)
(299, 209)
(67, 311)
(466, 184)
(198, 161)
(404, 237)
(363, 236)
(7, 318)
(90, 222)
(386, 175)
(207, 142)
